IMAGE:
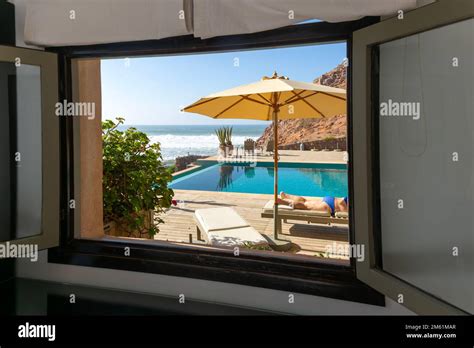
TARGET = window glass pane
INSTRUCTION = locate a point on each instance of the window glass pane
(20, 151)
(426, 161)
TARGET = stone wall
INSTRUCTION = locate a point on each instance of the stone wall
(325, 144)
(182, 163)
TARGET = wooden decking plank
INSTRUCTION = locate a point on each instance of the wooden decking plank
(310, 239)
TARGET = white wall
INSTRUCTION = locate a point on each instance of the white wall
(20, 13)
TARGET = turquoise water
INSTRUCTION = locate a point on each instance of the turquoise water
(312, 180)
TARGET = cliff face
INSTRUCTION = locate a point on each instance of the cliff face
(312, 129)
(337, 77)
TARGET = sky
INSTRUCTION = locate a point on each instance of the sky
(153, 90)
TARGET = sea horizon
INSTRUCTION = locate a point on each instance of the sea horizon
(200, 139)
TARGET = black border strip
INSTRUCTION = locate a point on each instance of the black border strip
(7, 23)
(66, 153)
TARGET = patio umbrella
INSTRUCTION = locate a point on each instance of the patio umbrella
(271, 99)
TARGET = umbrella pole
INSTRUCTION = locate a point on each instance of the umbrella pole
(276, 225)
(276, 243)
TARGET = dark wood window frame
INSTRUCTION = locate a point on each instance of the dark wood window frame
(321, 278)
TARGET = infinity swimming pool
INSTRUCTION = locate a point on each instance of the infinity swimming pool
(316, 180)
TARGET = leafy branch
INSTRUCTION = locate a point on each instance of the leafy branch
(135, 179)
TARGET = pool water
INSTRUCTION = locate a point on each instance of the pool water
(305, 180)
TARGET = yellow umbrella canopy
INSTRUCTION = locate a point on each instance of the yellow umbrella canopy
(273, 98)
(258, 100)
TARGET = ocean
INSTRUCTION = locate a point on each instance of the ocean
(182, 140)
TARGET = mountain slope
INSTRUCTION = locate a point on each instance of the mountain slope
(311, 129)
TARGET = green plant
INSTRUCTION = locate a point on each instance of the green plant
(135, 179)
(253, 246)
(228, 136)
(221, 135)
(224, 135)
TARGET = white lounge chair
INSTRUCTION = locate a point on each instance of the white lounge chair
(224, 227)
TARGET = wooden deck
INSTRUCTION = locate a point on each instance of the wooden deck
(308, 239)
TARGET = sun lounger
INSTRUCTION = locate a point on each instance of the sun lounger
(286, 212)
(224, 227)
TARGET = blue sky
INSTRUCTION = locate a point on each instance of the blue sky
(152, 90)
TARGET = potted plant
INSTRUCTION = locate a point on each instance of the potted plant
(135, 182)
(228, 141)
(222, 138)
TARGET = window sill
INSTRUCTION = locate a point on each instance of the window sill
(325, 279)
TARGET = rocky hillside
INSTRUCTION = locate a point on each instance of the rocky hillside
(337, 77)
(311, 129)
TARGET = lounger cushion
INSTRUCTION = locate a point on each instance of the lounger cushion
(235, 237)
(215, 219)
(342, 214)
(224, 227)
(269, 206)
(287, 210)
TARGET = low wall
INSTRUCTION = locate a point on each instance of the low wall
(183, 162)
(325, 144)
